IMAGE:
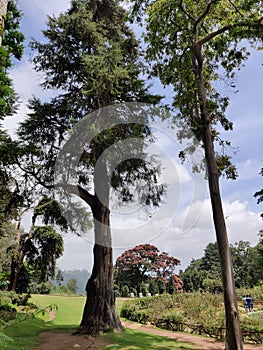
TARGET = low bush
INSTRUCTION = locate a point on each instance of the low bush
(201, 313)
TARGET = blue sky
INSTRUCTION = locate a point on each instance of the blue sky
(240, 206)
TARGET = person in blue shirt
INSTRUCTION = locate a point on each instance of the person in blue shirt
(249, 302)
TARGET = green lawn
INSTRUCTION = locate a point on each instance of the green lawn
(24, 335)
(69, 310)
(134, 340)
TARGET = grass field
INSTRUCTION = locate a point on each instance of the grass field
(24, 335)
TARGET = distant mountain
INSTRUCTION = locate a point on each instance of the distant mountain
(81, 276)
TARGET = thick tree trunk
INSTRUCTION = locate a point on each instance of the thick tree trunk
(233, 331)
(99, 313)
(3, 9)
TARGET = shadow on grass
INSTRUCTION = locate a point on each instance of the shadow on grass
(24, 334)
(134, 340)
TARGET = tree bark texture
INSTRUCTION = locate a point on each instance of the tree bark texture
(99, 313)
(3, 9)
(233, 330)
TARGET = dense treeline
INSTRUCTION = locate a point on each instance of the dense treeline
(204, 273)
(143, 270)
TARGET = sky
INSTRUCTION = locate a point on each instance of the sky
(183, 226)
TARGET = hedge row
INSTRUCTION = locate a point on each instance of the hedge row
(196, 313)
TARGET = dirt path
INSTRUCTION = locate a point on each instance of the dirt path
(201, 343)
(66, 341)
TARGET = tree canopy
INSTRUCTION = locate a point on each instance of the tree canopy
(204, 273)
(12, 47)
(191, 45)
(91, 58)
(144, 263)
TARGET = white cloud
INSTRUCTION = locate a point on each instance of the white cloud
(25, 80)
(242, 224)
(77, 253)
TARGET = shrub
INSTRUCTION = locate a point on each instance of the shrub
(125, 291)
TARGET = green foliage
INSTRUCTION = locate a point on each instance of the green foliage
(72, 286)
(11, 46)
(134, 340)
(171, 286)
(125, 291)
(143, 289)
(161, 286)
(145, 263)
(153, 288)
(204, 273)
(202, 313)
(36, 287)
(50, 248)
(188, 308)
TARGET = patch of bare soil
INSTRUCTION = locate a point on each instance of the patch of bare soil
(67, 341)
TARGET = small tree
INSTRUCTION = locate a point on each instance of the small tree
(143, 289)
(72, 286)
(144, 261)
(161, 286)
(125, 291)
(59, 277)
(170, 285)
(41, 246)
(153, 287)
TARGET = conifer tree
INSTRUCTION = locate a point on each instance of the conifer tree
(91, 57)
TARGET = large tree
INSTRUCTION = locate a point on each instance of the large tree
(11, 48)
(91, 57)
(145, 262)
(192, 45)
(3, 10)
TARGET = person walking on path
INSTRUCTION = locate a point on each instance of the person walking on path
(249, 301)
(244, 299)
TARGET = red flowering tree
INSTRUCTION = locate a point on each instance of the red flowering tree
(144, 263)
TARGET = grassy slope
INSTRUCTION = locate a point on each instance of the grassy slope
(23, 336)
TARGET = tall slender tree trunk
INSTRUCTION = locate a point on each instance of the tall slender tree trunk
(3, 10)
(99, 313)
(19, 252)
(17, 257)
(233, 330)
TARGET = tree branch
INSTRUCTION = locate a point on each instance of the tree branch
(34, 175)
(236, 8)
(78, 191)
(212, 35)
(185, 12)
(199, 19)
